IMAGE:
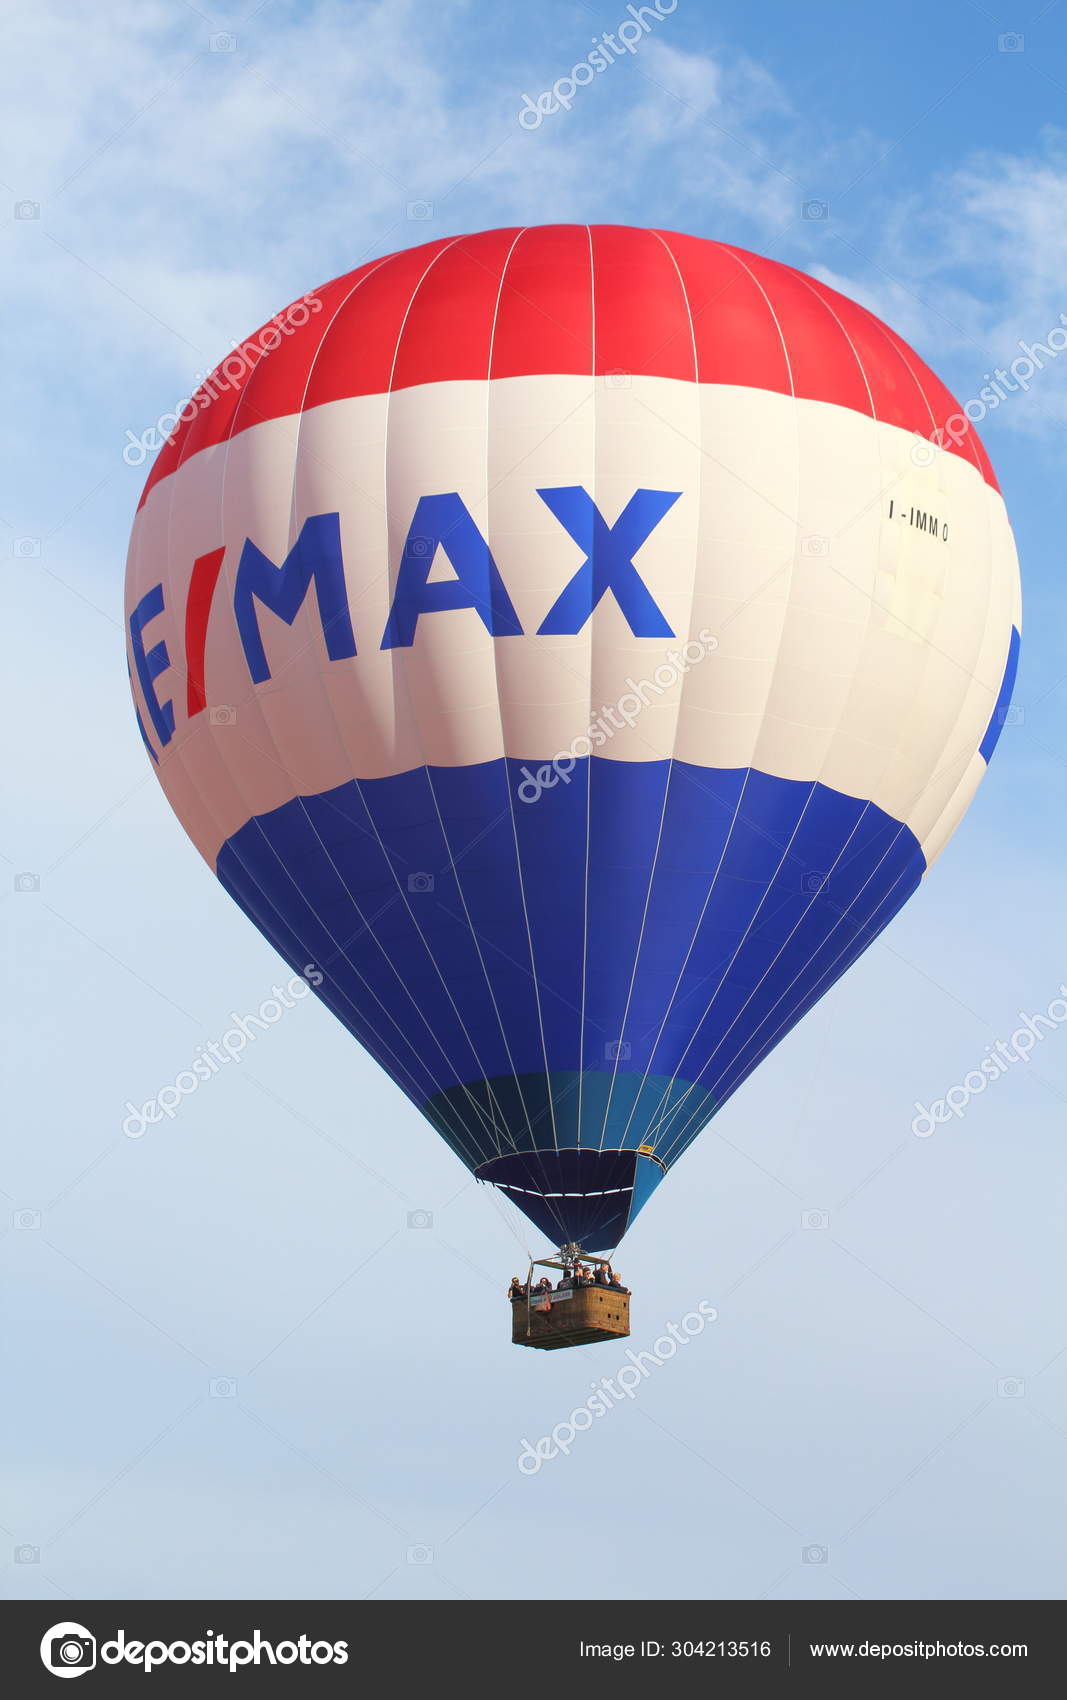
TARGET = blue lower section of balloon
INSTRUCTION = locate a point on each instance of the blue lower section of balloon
(584, 1193)
(577, 1195)
(598, 968)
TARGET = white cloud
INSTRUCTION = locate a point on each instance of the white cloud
(970, 266)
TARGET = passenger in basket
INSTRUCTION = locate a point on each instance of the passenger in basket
(566, 1280)
(616, 1283)
(517, 1290)
(601, 1277)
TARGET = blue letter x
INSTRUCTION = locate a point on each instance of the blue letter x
(608, 564)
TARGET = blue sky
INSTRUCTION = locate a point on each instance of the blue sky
(216, 1389)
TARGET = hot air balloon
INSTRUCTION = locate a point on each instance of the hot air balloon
(574, 644)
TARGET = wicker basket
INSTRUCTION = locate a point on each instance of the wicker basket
(575, 1316)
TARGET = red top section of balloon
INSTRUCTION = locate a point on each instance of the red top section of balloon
(563, 298)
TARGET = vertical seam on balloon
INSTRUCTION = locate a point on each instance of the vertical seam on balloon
(507, 777)
(824, 981)
(274, 928)
(178, 756)
(325, 696)
(709, 1091)
(535, 1149)
(463, 1085)
(665, 1093)
(444, 836)
(400, 676)
(592, 665)
(785, 1026)
(900, 350)
(271, 909)
(698, 1025)
(680, 707)
(782, 633)
(793, 1014)
(234, 779)
(933, 831)
(863, 649)
(668, 1089)
(868, 389)
(228, 570)
(972, 445)
(821, 299)
(902, 828)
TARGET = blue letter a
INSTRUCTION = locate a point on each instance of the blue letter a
(442, 522)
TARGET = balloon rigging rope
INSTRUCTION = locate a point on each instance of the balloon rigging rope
(512, 1218)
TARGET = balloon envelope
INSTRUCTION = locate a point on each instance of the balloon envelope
(571, 647)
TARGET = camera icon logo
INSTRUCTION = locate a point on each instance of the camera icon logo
(223, 714)
(814, 1220)
(814, 881)
(819, 211)
(27, 209)
(815, 1555)
(420, 1555)
(815, 545)
(1011, 42)
(420, 1218)
(68, 1649)
(420, 882)
(27, 882)
(922, 451)
(25, 1220)
(420, 547)
(1011, 1387)
(223, 1387)
(618, 380)
(26, 548)
(223, 42)
(26, 1554)
(617, 1050)
(1014, 715)
(420, 209)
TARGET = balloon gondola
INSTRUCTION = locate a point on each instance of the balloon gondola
(588, 1305)
(571, 647)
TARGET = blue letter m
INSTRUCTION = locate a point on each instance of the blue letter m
(608, 564)
(316, 554)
